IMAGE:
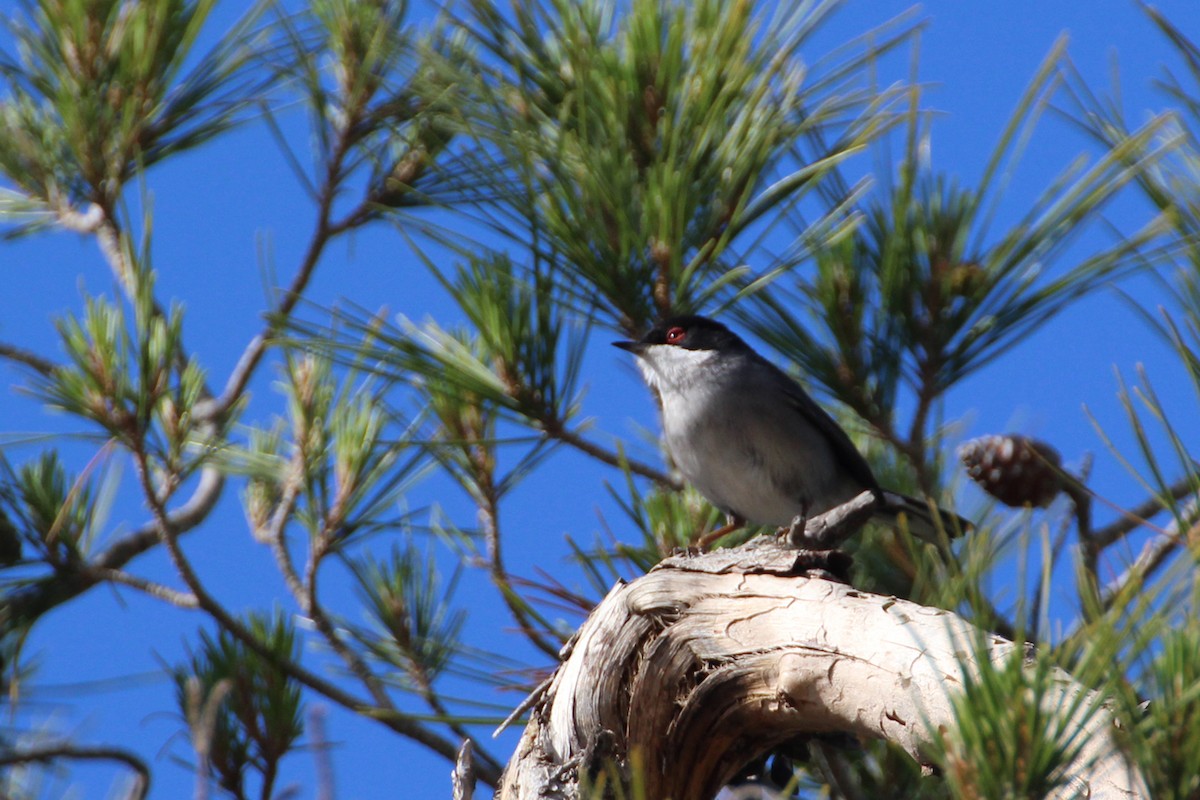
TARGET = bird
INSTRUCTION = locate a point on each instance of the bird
(750, 439)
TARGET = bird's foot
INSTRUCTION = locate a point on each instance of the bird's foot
(795, 532)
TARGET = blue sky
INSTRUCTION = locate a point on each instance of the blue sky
(219, 208)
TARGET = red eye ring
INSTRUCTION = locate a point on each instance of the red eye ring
(675, 335)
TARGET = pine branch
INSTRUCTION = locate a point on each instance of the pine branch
(42, 366)
(394, 720)
(65, 750)
(155, 590)
(1136, 517)
(555, 430)
(1154, 554)
(27, 604)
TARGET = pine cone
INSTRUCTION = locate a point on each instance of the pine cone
(1016, 470)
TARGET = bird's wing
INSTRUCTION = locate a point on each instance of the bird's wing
(845, 450)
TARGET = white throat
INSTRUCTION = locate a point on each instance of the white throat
(670, 369)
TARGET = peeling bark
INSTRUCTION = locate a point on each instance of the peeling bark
(712, 660)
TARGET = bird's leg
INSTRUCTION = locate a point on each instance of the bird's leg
(732, 523)
(795, 531)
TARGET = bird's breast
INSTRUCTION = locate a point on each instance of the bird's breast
(750, 457)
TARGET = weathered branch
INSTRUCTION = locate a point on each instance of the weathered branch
(711, 660)
(462, 777)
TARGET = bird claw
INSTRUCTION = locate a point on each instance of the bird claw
(795, 532)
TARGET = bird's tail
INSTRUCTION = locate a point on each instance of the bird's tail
(922, 518)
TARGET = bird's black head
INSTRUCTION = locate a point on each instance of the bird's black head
(690, 332)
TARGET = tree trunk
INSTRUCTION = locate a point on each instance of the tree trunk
(690, 672)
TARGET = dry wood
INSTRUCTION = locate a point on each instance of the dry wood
(711, 660)
(462, 777)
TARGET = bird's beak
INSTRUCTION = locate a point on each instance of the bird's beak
(634, 347)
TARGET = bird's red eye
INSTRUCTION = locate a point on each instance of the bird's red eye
(675, 335)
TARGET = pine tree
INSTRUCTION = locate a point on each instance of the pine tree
(566, 171)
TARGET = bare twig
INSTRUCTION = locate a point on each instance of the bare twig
(532, 699)
(914, 446)
(156, 590)
(556, 431)
(86, 223)
(273, 536)
(43, 366)
(54, 751)
(1154, 554)
(311, 607)
(109, 237)
(462, 779)
(1135, 517)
